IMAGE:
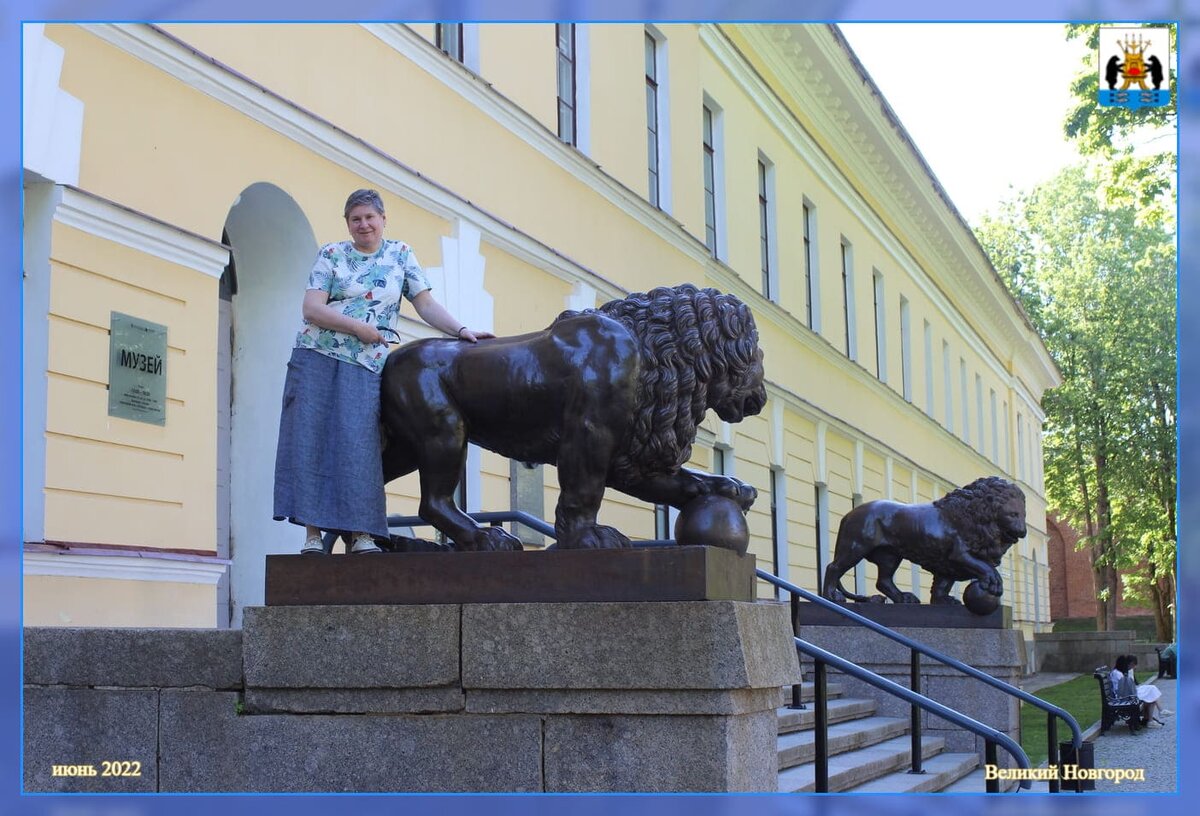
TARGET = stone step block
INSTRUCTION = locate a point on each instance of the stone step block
(854, 768)
(799, 747)
(840, 710)
(938, 772)
(83, 728)
(133, 658)
(973, 782)
(351, 647)
(681, 645)
(205, 745)
(832, 691)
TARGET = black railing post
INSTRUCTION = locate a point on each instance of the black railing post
(797, 690)
(821, 700)
(915, 685)
(1052, 757)
(992, 783)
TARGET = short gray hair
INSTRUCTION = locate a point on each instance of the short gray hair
(359, 197)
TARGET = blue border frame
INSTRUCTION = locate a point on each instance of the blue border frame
(15, 11)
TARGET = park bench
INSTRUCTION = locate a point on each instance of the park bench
(1113, 708)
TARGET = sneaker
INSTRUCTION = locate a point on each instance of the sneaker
(364, 544)
(313, 546)
(1165, 712)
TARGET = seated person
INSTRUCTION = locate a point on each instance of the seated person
(1146, 693)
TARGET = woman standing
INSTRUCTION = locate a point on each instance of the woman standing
(328, 465)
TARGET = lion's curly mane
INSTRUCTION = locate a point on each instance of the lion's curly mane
(688, 337)
(973, 510)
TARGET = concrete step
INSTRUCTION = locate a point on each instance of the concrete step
(840, 710)
(939, 772)
(832, 691)
(974, 782)
(857, 767)
(799, 747)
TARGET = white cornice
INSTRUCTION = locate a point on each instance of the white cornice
(140, 567)
(105, 219)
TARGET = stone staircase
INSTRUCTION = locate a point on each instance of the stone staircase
(868, 753)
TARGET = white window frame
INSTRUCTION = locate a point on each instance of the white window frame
(662, 101)
(848, 310)
(767, 223)
(880, 308)
(948, 386)
(966, 401)
(928, 335)
(720, 231)
(905, 350)
(812, 269)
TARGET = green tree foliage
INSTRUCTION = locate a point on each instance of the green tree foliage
(1097, 279)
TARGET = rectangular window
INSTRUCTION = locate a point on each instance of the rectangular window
(928, 334)
(966, 405)
(449, 38)
(1007, 440)
(995, 428)
(766, 228)
(979, 439)
(848, 300)
(880, 325)
(710, 182)
(652, 130)
(809, 266)
(567, 122)
(718, 460)
(905, 350)
(948, 386)
(1020, 446)
(662, 521)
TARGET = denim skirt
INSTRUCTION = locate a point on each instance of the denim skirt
(329, 461)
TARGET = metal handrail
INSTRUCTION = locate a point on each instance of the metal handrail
(1051, 710)
(991, 736)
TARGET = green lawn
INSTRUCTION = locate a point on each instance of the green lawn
(1080, 697)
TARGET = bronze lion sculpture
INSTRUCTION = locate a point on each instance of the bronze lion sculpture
(960, 537)
(611, 396)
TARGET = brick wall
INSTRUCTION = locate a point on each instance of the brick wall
(1072, 583)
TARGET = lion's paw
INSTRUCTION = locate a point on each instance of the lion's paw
(993, 585)
(908, 598)
(491, 539)
(945, 600)
(594, 537)
(737, 490)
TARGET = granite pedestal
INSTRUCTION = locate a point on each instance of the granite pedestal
(521, 697)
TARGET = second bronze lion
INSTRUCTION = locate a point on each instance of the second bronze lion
(960, 537)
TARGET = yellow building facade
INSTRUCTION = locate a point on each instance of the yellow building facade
(186, 174)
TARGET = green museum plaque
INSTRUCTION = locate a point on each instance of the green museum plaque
(137, 370)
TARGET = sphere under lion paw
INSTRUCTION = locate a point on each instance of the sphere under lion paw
(714, 521)
(978, 600)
